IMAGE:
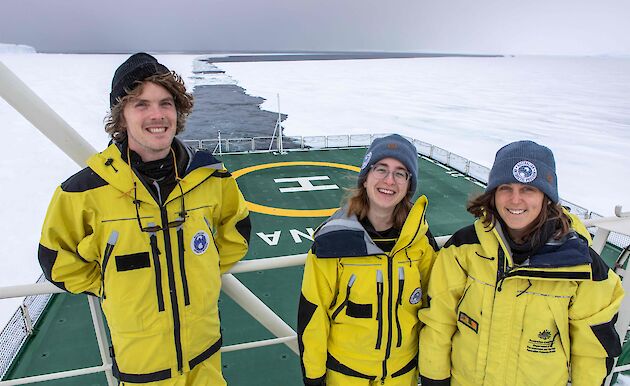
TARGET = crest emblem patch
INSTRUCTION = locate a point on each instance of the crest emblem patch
(366, 160)
(525, 171)
(416, 296)
(199, 243)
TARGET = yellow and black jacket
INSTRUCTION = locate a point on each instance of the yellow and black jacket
(492, 322)
(358, 313)
(159, 286)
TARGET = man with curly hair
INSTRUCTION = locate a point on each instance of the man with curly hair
(149, 226)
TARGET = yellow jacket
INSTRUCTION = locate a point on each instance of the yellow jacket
(159, 288)
(491, 322)
(359, 305)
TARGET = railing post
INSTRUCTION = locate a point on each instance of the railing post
(599, 241)
(101, 338)
(28, 322)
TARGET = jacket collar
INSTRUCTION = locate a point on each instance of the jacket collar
(342, 235)
(111, 165)
(567, 258)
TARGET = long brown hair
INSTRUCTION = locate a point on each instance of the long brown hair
(359, 205)
(484, 208)
(172, 82)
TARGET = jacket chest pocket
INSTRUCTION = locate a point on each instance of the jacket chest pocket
(351, 304)
(357, 290)
(132, 296)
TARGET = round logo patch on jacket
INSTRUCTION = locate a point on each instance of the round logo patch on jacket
(416, 296)
(199, 243)
(525, 171)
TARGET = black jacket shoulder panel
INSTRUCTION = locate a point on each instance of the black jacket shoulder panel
(598, 266)
(464, 236)
(341, 243)
(201, 158)
(83, 181)
(221, 174)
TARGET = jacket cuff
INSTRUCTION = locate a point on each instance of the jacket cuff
(424, 381)
(321, 381)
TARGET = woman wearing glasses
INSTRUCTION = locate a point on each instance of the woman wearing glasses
(365, 278)
(519, 298)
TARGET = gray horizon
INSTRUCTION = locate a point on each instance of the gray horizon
(561, 27)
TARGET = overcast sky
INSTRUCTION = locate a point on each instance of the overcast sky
(465, 26)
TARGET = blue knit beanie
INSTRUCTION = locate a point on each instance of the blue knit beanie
(392, 146)
(528, 163)
(135, 69)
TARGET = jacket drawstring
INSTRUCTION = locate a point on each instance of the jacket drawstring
(525, 290)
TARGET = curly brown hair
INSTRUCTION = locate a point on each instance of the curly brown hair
(484, 208)
(115, 122)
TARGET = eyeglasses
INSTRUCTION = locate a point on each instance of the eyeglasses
(152, 228)
(381, 172)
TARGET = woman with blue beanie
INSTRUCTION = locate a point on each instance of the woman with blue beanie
(519, 297)
(366, 277)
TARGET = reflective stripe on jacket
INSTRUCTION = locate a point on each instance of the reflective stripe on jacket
(491, 322)
(359, 305)
(159, 287)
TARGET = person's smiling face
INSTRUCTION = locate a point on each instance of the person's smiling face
(386, 191)
(518, 205)
(151, 122)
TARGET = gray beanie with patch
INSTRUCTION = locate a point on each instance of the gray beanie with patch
(392, 146)
(525, 162)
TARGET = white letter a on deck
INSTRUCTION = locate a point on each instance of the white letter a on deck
(271, 239)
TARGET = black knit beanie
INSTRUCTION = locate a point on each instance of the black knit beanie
(135, 69)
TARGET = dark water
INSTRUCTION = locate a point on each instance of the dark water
(227, 108)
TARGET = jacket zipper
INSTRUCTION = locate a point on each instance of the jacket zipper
(401, 286)
(109, 248)
(379, 312)
(388, 347)
(500, 269)
(173, 291)
(157, 267)
(345, 301)
(182, 266)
